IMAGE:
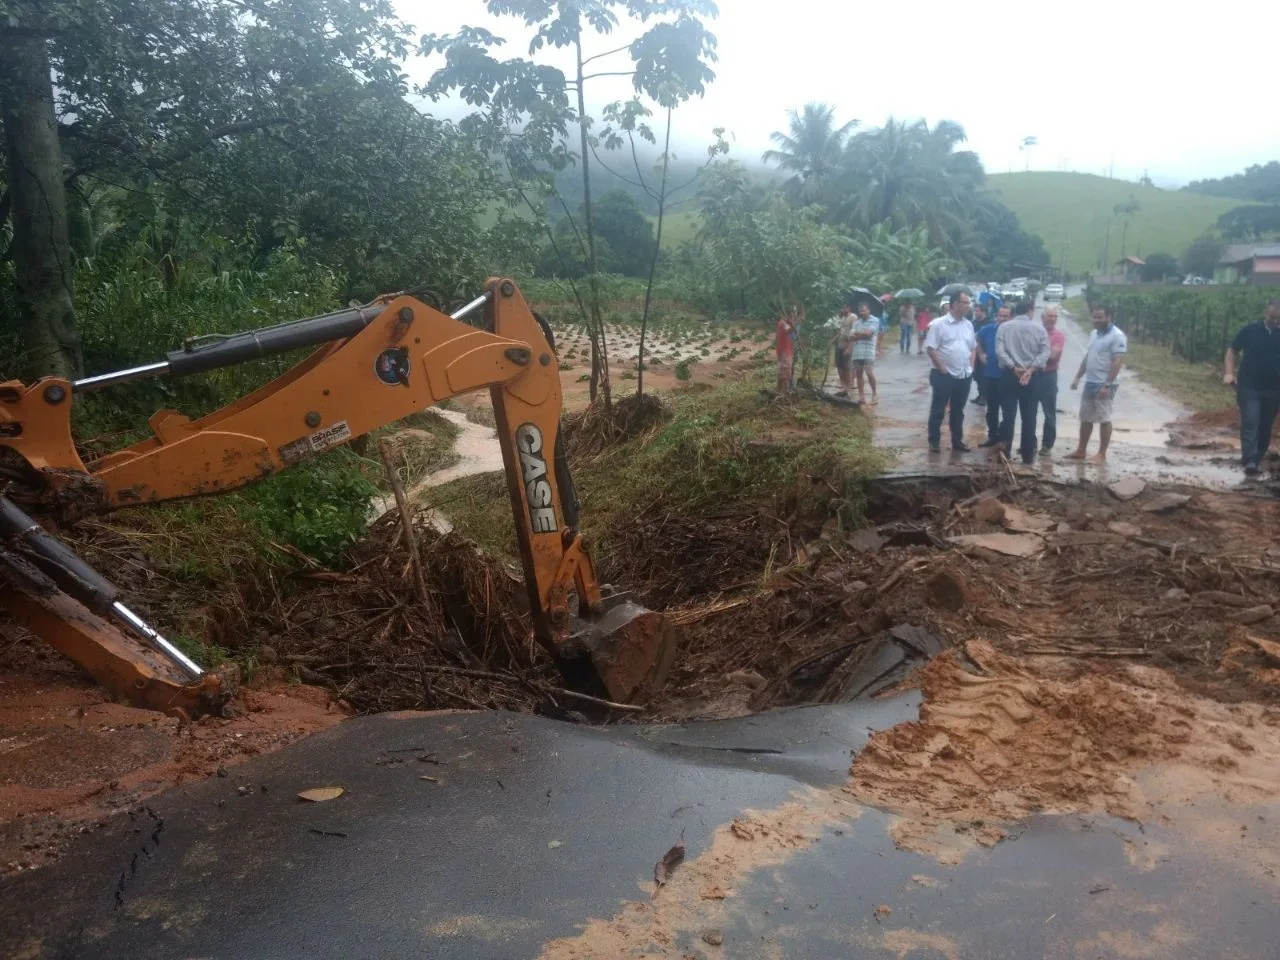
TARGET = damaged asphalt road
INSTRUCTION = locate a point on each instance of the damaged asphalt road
(532, 827)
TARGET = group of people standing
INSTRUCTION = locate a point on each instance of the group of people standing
(1016, 358)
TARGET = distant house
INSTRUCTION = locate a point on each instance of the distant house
(1252, 263)
(1129, 269)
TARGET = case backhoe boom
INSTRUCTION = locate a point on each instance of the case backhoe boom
(374, 365)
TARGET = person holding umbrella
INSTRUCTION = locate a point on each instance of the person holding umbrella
(907, 316)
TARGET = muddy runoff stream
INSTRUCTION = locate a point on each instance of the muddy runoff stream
(478, 452)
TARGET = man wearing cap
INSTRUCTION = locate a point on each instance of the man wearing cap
(1257, 382)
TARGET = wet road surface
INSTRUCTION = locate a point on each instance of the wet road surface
(1139, 446)
(529, 829)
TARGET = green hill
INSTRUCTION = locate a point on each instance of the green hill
(1075, 208)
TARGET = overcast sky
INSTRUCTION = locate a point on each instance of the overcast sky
(1126, 84)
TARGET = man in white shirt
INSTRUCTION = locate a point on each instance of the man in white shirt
(951, 344)
(1099, 369)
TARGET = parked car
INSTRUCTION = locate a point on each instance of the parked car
(1192, 280)
(1012, 293)
(1054, 291)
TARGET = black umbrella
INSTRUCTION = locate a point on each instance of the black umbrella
(951, 288)
(860, 295)
(910, 293)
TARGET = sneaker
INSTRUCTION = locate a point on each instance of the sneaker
(935, 448)
(1251, 470)
(1046, 451)
(961, 447)
(989, 443)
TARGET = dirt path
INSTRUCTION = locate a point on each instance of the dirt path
(1144, 445)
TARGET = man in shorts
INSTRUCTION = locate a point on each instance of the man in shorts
(866, 336)
(1099, 369)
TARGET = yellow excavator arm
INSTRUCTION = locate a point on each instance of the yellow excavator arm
(374, 365)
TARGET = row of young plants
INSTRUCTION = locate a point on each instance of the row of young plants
(1198, 324)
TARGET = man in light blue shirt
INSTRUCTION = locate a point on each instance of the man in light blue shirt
(1099, 369)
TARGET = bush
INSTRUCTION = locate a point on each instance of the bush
(684, 369)
(320, 506)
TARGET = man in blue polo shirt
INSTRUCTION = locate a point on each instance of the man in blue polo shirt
(1257, 384)
(989, 370)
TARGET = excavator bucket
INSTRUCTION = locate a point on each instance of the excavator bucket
(623, 651)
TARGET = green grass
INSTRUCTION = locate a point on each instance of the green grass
(726, 447)
(677, 228)
(1075, 208)
(1197, 386)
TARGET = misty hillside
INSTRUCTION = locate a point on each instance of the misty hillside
(1073, 211)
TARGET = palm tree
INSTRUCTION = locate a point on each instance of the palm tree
(810, 149)
(909, 176)
(1126, 211)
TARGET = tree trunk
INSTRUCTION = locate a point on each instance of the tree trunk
(43, 261)
(657, 250)
(599, 351)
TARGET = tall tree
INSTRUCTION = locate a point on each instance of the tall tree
(1126, 211)
(629, 120)
(1159, 266)
(1202, 254)
(810, 149)
(132, 90)
(533, 105)
(909, 175)
(43, 259)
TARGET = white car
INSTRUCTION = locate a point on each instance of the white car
(1054, 291)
